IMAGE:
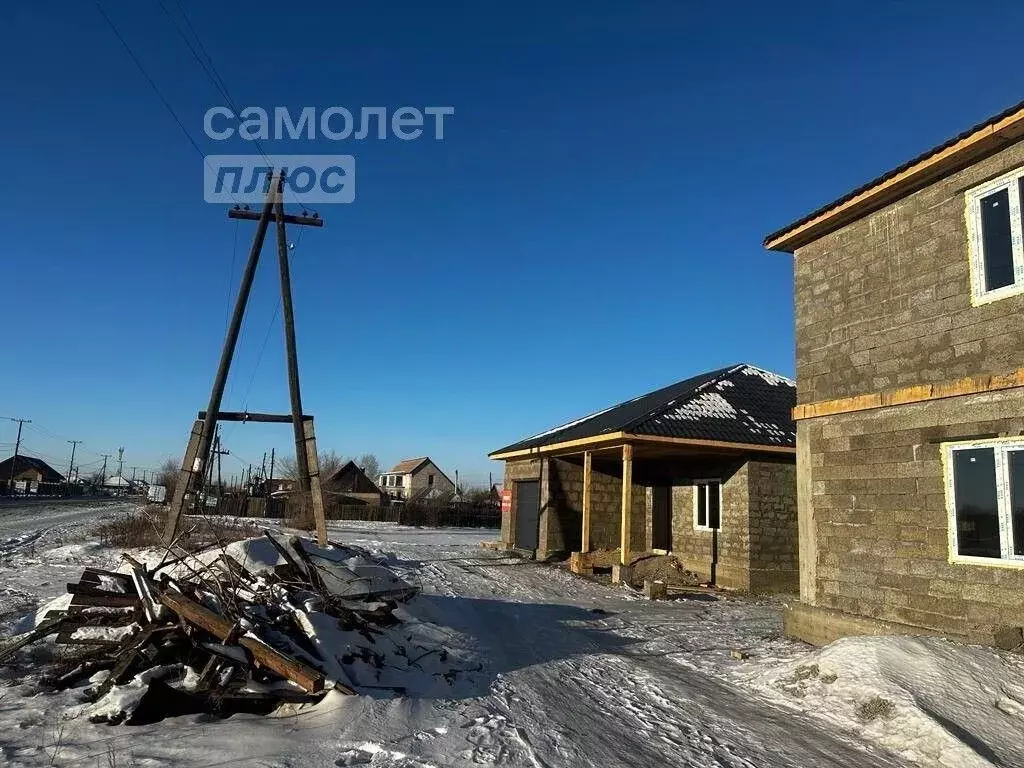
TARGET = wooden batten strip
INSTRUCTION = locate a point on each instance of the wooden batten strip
(971, 385)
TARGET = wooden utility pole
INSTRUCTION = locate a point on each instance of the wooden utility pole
(71, 464)
(197, 452)
(103, 472)
(17, 445)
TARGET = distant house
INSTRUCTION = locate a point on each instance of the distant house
(28, 469)
(353, 486)
(415, 479)
(910, 379)
(703, 469)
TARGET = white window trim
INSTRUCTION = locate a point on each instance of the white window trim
(1001, 445)
(1010, 182)
(703, 483)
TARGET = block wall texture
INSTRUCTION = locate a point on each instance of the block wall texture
(885, 302)
(561, 499)
(525, 469)
(774, 554)
(875, 521)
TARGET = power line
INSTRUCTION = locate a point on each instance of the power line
(149, 79)
(207, 66)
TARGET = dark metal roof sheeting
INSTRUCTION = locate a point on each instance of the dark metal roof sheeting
(738, 404)
(895, 171)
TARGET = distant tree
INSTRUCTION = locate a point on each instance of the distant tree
(370, 465)
(167, 475)
(330, 462)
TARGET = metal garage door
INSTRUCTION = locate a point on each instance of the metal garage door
(527, 514)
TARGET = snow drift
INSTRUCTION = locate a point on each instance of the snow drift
(929, 700)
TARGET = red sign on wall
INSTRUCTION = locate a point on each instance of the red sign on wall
(506, 500)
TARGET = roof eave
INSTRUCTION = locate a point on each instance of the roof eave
(611, 440)
(969, 148)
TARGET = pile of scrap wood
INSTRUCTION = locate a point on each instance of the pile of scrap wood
(247, 627)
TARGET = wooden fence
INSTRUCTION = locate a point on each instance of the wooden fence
(435, 516)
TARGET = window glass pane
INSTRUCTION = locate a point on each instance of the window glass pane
(1015, 466)
(977, 512)
(714, 505)
(995, 237)
(702, 504)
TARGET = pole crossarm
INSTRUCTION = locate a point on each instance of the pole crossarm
(305, 221)
(260, 418)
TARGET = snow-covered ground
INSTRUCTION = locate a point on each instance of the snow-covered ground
(574, 674)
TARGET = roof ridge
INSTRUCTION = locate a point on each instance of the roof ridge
(722, 373)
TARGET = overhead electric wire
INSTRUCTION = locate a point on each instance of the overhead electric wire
(208, 67)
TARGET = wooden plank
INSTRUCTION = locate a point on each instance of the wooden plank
(105, 600)
(125, 659)
(920, 393)
(93, 591)
(627, 504)
(262, 418)
(144, 587)
(66, 637)
(305, 677)
(587, 479)
(45, 629)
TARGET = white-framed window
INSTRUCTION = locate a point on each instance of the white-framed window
(996, 237)
(985, 501)
(707, 505)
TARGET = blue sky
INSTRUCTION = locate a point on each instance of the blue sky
(589, 229)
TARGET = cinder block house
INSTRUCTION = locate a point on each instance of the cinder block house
(414, 479)
(910, 388)
(703, 469)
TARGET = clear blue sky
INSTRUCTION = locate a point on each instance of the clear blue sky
(589, 229)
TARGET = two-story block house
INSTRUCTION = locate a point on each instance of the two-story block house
(910, 396)
(414, 479)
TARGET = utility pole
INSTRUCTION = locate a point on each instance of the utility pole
(71, 464)
(197, 452)
(17, 445)
(103, 472)
(133, 475)
(271, 464)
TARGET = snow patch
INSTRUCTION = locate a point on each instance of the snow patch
(706, 405)
(931, 701)
(772, 378)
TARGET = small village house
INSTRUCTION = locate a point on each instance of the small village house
(703, 469)
(910, 386)
(416, 479)
(351, 485)
(29, 471)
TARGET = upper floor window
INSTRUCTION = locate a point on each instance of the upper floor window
(430, 479)
(985, 498)
(996, 237)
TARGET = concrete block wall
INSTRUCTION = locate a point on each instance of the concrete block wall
(885, 302)
(774, 554)
(561, 499)
(874, 521)
(523, 469)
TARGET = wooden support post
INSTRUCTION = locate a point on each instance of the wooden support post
(315, 489)
(189, 466)
(627, 504)
(587, 467)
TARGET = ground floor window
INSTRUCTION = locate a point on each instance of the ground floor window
(707, 505)
(985, 497)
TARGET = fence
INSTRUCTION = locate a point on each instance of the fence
(435, 516)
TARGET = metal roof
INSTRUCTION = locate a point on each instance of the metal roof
(738, 404)
(895, 172)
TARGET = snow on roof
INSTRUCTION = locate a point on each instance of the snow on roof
(739, 404)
